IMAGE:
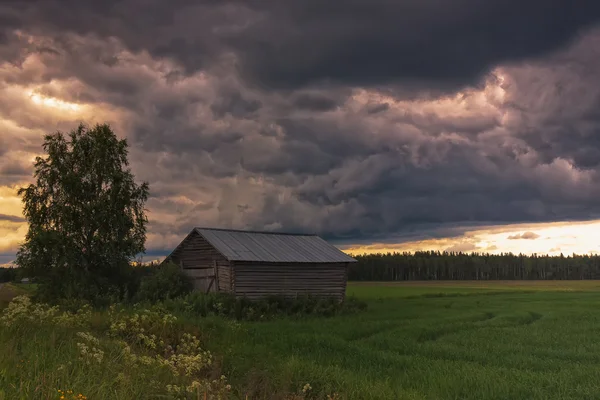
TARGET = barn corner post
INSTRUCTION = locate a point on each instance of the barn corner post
(232, 277)
(345, 286)
(216, 267)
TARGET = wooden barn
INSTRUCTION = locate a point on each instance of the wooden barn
(258, 264)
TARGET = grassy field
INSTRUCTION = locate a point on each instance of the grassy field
(417, 340)
(440, 340)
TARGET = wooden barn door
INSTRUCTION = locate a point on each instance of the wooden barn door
(213, 284)
(204, 279)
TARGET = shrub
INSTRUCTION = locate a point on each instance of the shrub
(22, 309)
(167, 281)
(77, 288)
(227, 305)
(8, 274)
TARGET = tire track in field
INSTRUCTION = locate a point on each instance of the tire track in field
(483, 321)
(375, 331)
(533, 317)
(470, 324)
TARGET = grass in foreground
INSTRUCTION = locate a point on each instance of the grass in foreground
(416, 341)
(504, 341)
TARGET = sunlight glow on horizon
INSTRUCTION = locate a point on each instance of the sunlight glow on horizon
(553, 238)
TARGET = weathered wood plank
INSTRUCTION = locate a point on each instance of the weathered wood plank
(198, 259)
(255, 280)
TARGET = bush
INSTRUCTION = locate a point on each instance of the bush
(167, 281)
(135, 278)
(227, 305)
(62, 287)
(8, 274)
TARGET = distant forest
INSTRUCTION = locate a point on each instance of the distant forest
(431, 265)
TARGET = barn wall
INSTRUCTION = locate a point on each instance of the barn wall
(255, 280)
(225, 278)
(198, 259)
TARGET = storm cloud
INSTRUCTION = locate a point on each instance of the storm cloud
(357, 120)
(293, 44)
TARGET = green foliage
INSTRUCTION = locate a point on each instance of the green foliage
(166, 281)
(432, 265)
(226, 305)
(86, 216)
(143, 353)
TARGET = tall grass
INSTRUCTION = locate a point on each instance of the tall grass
(409, 344)
(125, 351)
(510, 345)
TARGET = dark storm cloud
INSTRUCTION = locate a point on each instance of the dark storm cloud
(442, 45)
(11, 218)
(377, 108)
(18, 170)
(293, 44)
(564, 121)
(235, 104)
(314, 102)
(191, 84)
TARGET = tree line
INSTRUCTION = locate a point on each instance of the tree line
(8, 274)
(435, 265)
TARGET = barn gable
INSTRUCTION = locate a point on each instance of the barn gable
(198, 258)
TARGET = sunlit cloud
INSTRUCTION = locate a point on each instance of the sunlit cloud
(469, 103)
(10, 203)
(544, 238)
(53, 102)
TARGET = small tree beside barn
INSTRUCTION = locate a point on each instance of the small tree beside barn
(258, 264)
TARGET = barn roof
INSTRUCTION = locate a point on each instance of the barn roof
(238, 245)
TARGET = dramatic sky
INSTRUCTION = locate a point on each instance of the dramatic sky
(411, 124)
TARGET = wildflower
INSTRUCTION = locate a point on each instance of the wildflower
(90, 353)
(88, 337)
(306, 388)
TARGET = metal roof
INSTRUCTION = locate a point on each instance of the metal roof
(238, 245)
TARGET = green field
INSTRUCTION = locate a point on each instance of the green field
(441, 340)
(417, 340)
